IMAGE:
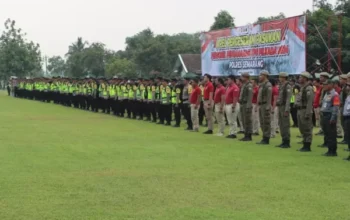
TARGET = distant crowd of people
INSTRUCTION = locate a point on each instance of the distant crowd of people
(246, 105)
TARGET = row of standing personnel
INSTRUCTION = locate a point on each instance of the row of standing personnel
(156, 99)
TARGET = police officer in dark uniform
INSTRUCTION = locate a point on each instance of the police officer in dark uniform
(329, 111)
(176, 99)
(346, 116)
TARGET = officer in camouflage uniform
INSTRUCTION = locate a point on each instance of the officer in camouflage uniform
(245, 100)
(264, 102)
(329, 111)
(283, 103)
(305, 111)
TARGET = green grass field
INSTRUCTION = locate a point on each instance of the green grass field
(62, 163)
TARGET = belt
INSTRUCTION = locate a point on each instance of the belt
(301, 107)
(262, 103)
(243, 103)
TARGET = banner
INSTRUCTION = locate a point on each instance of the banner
(276, 46)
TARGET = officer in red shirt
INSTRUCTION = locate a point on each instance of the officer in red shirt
(232, 106)
(316, 103)
(208, 102)
(195, 100)
(219, 100)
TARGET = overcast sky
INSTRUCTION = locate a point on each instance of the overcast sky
(55, 24)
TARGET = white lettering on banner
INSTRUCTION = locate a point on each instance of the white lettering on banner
(246, 64)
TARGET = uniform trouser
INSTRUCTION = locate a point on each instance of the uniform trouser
(134, 109)
(220, 118)
(153, 111)
(161, 113)
(256, 121)
(317, 117)
(167, 109)
(294, 113)
(232, 115)
(129, 107)
(139, 108)
(347, 129)
(321, 124)
(342, 122)
(194, 116)
(123, 105)
(177, 113)
(305, 126)
(330, 132)
(339, 126)
(284, 123)
(208, 111)
(274, 121)
(265, 119)
(186, 111)
(116, 107)
(158, 110)
(240, 122)
(101, 104)
(94, 103)
(247, 122)
(201, 113)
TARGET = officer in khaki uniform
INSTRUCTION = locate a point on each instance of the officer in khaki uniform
(283, 103)
(329, 111)
(264, 102)
(245, 100)
(305, 111)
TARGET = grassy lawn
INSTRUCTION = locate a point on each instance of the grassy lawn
(62, 163)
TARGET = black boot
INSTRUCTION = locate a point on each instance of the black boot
(264, 141)
(286, 144)
(247, 137)
(306, 147)
(282, 144)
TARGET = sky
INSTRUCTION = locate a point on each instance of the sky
(55, 24)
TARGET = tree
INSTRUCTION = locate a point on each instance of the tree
(18, 57)
(56, 66)
(121, 67)
(223, 20)
(75, 58)
(94, 59)
(277, 17)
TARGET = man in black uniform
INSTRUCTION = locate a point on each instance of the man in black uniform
(329, 110)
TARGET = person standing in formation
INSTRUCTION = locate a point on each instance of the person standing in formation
(255, 115)
(283, 103)
(304, 105)
(264, 101)
(186, 106)
(219, 100)
(343, 96)
(245, 100)
(323, 78)
(208, 103)
(329, 111)
(316, 106)
(195, 100)
(274, 109)
(232, 106)
(346, 116)
(293, 108)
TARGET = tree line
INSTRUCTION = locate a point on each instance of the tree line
(146, 52)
